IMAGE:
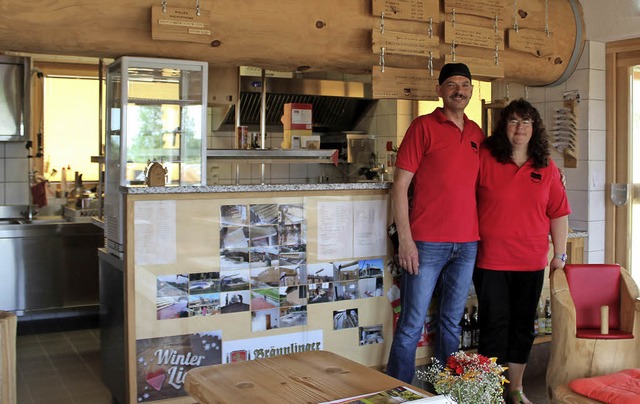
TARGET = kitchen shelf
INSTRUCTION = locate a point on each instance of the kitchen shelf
(275, 155)
(158, 101)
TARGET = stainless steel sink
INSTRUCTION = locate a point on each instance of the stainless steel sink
(10, 221)
(42, 220)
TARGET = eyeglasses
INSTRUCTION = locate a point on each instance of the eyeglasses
(516, 122)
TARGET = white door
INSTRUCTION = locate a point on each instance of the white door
(634, 192)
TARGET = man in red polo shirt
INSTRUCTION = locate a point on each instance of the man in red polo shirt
(438, 236)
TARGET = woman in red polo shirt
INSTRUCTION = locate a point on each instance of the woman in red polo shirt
(521, 200)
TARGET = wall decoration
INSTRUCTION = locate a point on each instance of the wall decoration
(162, 363)
(271, 346)
(345, 319)
(371, 335)
(321, 292)
(234, 302)
(172, 296)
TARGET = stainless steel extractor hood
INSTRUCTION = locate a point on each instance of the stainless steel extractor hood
(337, 105)
(14, 97)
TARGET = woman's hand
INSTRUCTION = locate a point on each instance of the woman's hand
(555, 264)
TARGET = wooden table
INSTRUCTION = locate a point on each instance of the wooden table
(304, 377)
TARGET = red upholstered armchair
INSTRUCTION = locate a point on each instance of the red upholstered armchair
(578, 349)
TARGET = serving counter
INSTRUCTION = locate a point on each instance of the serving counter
(221, 274)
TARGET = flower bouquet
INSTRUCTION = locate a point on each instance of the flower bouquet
(467, 378)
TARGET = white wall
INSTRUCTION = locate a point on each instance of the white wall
(611, 20)
(14, 174)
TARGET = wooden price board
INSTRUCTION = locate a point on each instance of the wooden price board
(403, 84)
(403, 43)
(471, 35)
(484, 67)
(530, 41)
(180, 24)
(416, 10)
(480, 8)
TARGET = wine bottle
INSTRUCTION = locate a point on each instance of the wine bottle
(542, 321)
(466, 330)
(475, 327)
(547, 315)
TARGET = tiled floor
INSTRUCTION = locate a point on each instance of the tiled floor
(60, 368)
(63, 367)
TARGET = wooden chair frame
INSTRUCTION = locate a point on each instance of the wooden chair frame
(572, 358)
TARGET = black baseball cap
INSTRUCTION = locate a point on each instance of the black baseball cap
(453, 69)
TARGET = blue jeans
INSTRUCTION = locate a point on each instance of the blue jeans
(452, 264)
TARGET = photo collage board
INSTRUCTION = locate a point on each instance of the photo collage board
(263, 269)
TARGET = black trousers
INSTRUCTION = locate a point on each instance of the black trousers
(507, 303)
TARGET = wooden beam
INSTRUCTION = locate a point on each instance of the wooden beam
(331, 35)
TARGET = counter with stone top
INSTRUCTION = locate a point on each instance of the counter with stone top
(142, 190)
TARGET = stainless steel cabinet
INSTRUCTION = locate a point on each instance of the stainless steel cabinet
(49, 267)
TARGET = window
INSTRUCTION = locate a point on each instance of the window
(70, 126)
(65, 111)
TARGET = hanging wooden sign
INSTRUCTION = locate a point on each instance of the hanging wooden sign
(471, 35)
(480, 8)
(416, 10)
(530, 41)
(180, 24)
(403, 43)
(480, 66)
(403, 84)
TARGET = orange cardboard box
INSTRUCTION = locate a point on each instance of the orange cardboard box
(297, 116)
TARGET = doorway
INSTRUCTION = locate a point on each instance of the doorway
(622, 241)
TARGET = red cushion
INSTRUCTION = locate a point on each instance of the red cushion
(593, 286)
(617, 388)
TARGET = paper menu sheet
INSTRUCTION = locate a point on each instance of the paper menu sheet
(352, 229)
(335, 230)
(154, 232)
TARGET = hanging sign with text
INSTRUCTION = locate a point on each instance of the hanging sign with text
(484, 67)
(479, 8)
(530, 41)
(416, 10)
(471, 35)
(180, 24)
(403, 43)
(403, 84)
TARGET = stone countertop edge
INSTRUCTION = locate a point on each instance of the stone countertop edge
(144, 190)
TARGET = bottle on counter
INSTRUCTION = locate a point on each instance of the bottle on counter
(475, 327)
(63, 183)
(547, 315)
(467, 333)
(541, 319)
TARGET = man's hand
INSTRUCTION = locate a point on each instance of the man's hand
(408, 257)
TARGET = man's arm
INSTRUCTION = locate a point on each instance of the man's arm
(407, 250)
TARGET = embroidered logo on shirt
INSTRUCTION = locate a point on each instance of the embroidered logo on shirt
(536, 177)
(474, 146)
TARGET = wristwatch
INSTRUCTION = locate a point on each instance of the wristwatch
(561, 257)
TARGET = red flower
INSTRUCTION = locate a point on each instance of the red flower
(454, 365)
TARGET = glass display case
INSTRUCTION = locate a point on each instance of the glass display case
(156, 115)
